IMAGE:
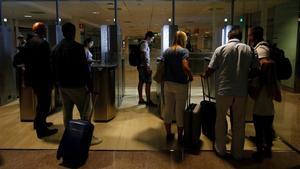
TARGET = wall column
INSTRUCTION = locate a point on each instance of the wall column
(76, 22)
(264, 16)
(1, 22)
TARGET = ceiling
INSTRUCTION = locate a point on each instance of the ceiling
(135, 16)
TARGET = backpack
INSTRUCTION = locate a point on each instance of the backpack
(135, 54)
(283, 64)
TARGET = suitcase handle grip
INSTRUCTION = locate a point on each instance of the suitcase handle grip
(189, 93)
(203, 88)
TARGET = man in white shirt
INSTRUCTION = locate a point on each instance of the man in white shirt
(144, 69)
(232, 63)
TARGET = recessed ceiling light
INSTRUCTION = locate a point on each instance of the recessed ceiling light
(189, 22)
(37, 12)
(27, 16)
(95, 12)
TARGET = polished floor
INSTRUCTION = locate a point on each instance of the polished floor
(45, 159)
(137, 131)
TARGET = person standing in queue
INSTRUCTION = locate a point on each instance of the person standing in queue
(177, 76)
(232, 63)
(38, 75)
(144, 69)
(269, 90)
(72, 75)
(88, 44)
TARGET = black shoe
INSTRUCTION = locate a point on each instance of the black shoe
(45, 132)
(267, 153)
(170, 137)
(258, 157)
(142, 102)
(151, 104)
(48, 124)
(180, 141)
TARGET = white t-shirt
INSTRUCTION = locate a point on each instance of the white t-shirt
(262, 50)
(89, 55)
(145, 48)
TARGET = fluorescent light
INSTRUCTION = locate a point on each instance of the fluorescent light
(27, 16)
(4, 19)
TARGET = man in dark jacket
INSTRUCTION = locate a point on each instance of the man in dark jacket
(72, 75)
(38, 76)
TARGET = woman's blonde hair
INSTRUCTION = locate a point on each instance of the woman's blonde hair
(180, 39)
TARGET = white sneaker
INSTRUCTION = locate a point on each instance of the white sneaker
(96, 140)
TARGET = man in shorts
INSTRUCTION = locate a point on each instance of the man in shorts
(144, 69)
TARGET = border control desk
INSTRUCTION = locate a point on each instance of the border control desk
(104, 94)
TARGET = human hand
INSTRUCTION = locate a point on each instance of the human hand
(204, 75)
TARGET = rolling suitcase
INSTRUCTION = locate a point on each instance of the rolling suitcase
(208, 112)
(192, 126)
(75, 143)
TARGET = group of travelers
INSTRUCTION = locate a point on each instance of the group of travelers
(68, 67)
(233, 63)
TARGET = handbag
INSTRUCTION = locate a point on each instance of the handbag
(160, 72)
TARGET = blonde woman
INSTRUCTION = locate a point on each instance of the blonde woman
(177, 77)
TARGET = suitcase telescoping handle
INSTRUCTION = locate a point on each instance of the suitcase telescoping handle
(189, 93)
(203, 88)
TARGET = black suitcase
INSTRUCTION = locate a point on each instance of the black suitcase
(208, 113)
(192, 127)
(75, 143)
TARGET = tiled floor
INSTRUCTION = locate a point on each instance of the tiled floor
(136, 127)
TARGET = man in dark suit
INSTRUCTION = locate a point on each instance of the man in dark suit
(38, 76)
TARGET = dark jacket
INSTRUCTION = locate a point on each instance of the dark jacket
(37, 63)
(70, 64)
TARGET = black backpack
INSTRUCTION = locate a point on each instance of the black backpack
(135, 54)
(283, 64)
